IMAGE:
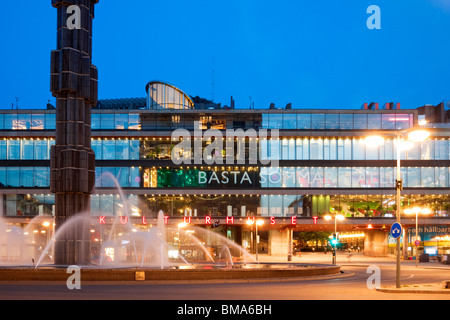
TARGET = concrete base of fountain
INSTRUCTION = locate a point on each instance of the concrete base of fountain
(198, 273)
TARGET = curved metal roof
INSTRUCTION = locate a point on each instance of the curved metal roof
(169, 85)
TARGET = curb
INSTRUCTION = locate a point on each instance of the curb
(414, 290)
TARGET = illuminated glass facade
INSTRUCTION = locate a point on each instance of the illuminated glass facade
(324, 164)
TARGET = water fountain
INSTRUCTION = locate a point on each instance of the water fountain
(163, 251)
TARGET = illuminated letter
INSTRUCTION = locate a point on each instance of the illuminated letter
(202, 177)
(214, 177)
(235, 173)
(246, 177)
(166, 219)
(74, 21)
(101, 220)
(315, 219)
(144, 221)
(272, 220)
(207, 220)
(374, 21)
(188, 220)
(123, 220)
(230, 220)
(294, 220)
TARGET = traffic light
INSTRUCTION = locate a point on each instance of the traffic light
(335, 240)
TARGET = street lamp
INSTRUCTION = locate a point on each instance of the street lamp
(256, 223)
(414, 135)
(337, 217)
(417, 211)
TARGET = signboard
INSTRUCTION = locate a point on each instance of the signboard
(396, 230)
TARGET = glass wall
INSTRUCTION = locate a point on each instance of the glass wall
(219, 205)
(357, 121)
(25, 177)
(115, 121)
(294, 177)
(164, 96)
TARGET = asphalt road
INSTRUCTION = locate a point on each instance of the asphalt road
(351, 287)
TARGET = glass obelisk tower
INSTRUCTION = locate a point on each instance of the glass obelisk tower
(74, 84)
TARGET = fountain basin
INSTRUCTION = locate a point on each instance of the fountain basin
(196, 273)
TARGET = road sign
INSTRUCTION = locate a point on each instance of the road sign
(396, 230)
(417, 243)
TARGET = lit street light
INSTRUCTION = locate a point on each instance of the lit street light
(417, 211)
(414, 135)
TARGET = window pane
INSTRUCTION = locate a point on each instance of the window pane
(360, 121)
(135, 149)
(276, 121)
(14, 149)
(3, 149)
(372, 177)
(316, 175)
(290, 121)
(388, 121)
(26, 177)
(95, 121)
(123, 177)
(27, 150)
(122, 149)
(10, 121)
(318, 121)
(50, 121)
(24, 122)
(374, 121)
(332, 121)
(42, 177)
(96, 146)
(37, 122)
(109, 149)
(121, 122)
(134, 122)
(358, 177)
(304, 121)
(331, 175)
(107, 121)
(345, 177)
(13, 177)
(303, 177)
(346, 121)
(41, 150)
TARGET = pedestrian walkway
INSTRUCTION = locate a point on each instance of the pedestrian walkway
(359, 259)
(345, 258)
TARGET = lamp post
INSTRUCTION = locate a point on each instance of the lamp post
(256, 223)
(414, 135)
(417, 211)
(336, 218)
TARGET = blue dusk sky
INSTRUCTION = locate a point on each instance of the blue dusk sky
(313, 54)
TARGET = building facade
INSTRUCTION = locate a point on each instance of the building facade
(219, 167)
